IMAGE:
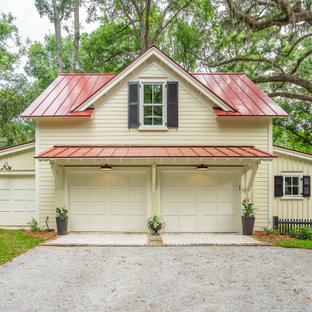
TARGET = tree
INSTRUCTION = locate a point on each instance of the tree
(76, 36)
(270, 41)
(57, 11)
(146, 18)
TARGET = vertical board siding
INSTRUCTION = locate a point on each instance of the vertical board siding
(292, 208)
(23, 160)
(198, 125)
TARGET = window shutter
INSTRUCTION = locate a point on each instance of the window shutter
(278, 186)
(306, 189)
(172, 104)
(133, 104)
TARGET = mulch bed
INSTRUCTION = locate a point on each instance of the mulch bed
(270, 238)
(42, 234)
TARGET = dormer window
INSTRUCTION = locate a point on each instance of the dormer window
(153, 105)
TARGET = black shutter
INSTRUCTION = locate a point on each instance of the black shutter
(133, 104)
(306, 190)
(172, 104)
(278, 186)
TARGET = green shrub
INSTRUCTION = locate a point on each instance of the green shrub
(155, 221)
(270, 231)
(302, 232)
(34, 225)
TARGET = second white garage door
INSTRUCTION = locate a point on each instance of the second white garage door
(194, 201)
(108, 200)
(17, 199)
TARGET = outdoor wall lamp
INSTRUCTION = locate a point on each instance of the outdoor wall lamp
(202, 168)
(106, 168)
(5, 167)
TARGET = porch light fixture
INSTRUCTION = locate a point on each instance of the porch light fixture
(5, 167)
(202, 168)
(106, 168)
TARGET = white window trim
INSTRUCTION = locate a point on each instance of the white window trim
(293, 174)
(164, 119)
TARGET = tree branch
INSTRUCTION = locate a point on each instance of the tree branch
(291, 95)
(300, 60)
(249, 59)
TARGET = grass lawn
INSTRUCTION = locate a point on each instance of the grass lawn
(14, 243)
(296, 244)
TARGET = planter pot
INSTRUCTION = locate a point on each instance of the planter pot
(156, 229)
(61, 225)
(248, 225)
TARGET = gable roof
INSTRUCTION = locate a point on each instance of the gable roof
(17, 148)
(292, 152)
(71, 95)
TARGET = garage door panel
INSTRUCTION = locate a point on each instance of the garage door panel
(201, 201)
(19, 194)
(118, 193)
(170, 208)
(208, 222)
(188, 223)
(188, 208)
(189, 193)
(4, 194)
(227, 208)
(97, 194)
(170, 193)
(79, 193)
(97, 207)
(137, 180)
(97, 221)
(79, 207)
(207, 194)
(119, 180)
(136, 207)
(208, 208)
(135, 193)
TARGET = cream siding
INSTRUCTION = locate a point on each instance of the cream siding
(292, 208)
(198, 125)
(23, 160)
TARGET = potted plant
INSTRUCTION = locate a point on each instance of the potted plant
(61, 221)
(155, 223)
(248, 217)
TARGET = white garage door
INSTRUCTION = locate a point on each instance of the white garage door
(194, 201)
(17, 199)
(108, 200)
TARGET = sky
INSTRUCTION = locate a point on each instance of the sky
(30, 24)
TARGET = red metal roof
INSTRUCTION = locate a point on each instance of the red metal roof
(69, 91)
(126, 151)
(239, 92)
(65, 94)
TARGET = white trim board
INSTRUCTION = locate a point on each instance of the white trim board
(153, 51)
(21, 172)
(17, 149)
(291, 153)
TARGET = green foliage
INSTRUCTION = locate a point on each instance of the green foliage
(41, 63)
(248, 210)
(302, 232)
(8, 38)
(44, 7)
(14, 243)
(155, 220)
(295, 244)
(34, 225)
(271, 231)
(61, 213)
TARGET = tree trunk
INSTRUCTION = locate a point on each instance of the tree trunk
(57, 26)
(76, 37)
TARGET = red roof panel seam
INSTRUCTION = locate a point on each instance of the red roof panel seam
(72, 89)
(237, 94)
(43, 113)
(73, 103)
(46, 96)
(231, 149)
(243, 89)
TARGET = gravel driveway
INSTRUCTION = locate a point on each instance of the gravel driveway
(216, 278)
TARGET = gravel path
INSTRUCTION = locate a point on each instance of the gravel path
(158, 279)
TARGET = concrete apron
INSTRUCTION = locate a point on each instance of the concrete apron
(148, 240)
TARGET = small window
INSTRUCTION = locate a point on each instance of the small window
(292, 185)
(153, 105)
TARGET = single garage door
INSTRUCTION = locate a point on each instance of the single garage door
(108, 200)
(195, 201)
(17, 199)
